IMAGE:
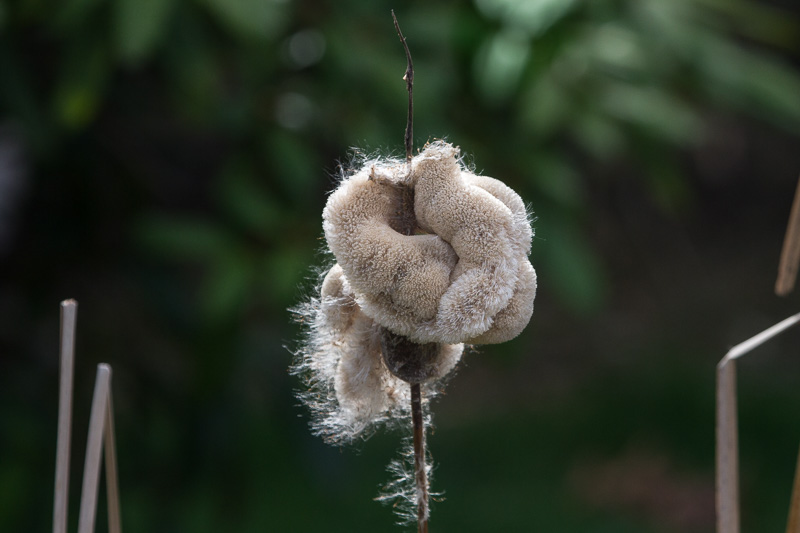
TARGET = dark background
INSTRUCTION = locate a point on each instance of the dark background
(165, 163)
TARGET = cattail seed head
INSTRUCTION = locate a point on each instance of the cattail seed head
(463, 276)
(427, 258)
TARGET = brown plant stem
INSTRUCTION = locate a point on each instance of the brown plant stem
(727, 483)
(69, 316)
(793, 525)
(404, 358)
(790, 254)
(420, 472)
(409, 79)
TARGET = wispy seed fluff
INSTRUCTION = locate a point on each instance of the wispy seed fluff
(462, 276)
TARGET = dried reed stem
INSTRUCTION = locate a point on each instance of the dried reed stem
(69, 314)
(727, 449)
(790, 254)
(793, 524)
(409, 223)
(94, 449)
(757, 340)
(112, 483)
(409, 79)
(420, 471)
(727, 427)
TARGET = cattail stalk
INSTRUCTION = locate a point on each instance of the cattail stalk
(420, 470)
(408, 223)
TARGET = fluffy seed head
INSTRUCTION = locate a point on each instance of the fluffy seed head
(463, 276)
(435, 255)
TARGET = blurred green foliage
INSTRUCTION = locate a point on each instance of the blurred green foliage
(178, 155)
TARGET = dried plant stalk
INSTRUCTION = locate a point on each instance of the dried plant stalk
(101, 431)
(727, 449)
(420, 468)
(727, 431)
(417, 420)
(112, 483)
(100, 428)
(69, 313)
(409, 79)
(429, 256)
(94, 449)
(790, 254)
(793, 524)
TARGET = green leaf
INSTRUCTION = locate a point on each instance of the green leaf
(668, 186)
(80, 90)
(15, 483)
(500, 63)
(226, 285)
(660, 113)
(242, 197)
(546, 106)
(532, 16)
(283, 273)
(21, 102)
(250, 18)
(183, 238)
(69, 14)
(599, 134)
(555, 177)
(294, 163)
(139, 25)
(570, 267)
(756, 84)
(758, 20)
(619, 49)
(193, 69)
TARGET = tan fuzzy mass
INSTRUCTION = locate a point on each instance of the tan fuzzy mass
(414, 271)
(364, 388)
(337, 302)
(462, 276)
(360, 375)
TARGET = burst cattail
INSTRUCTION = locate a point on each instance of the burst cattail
(432, 254)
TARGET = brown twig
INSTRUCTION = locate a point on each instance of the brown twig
(727, 449)
(409, 79)
(790, 254)
(420, 472)
(398, 349)
(793, 524)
